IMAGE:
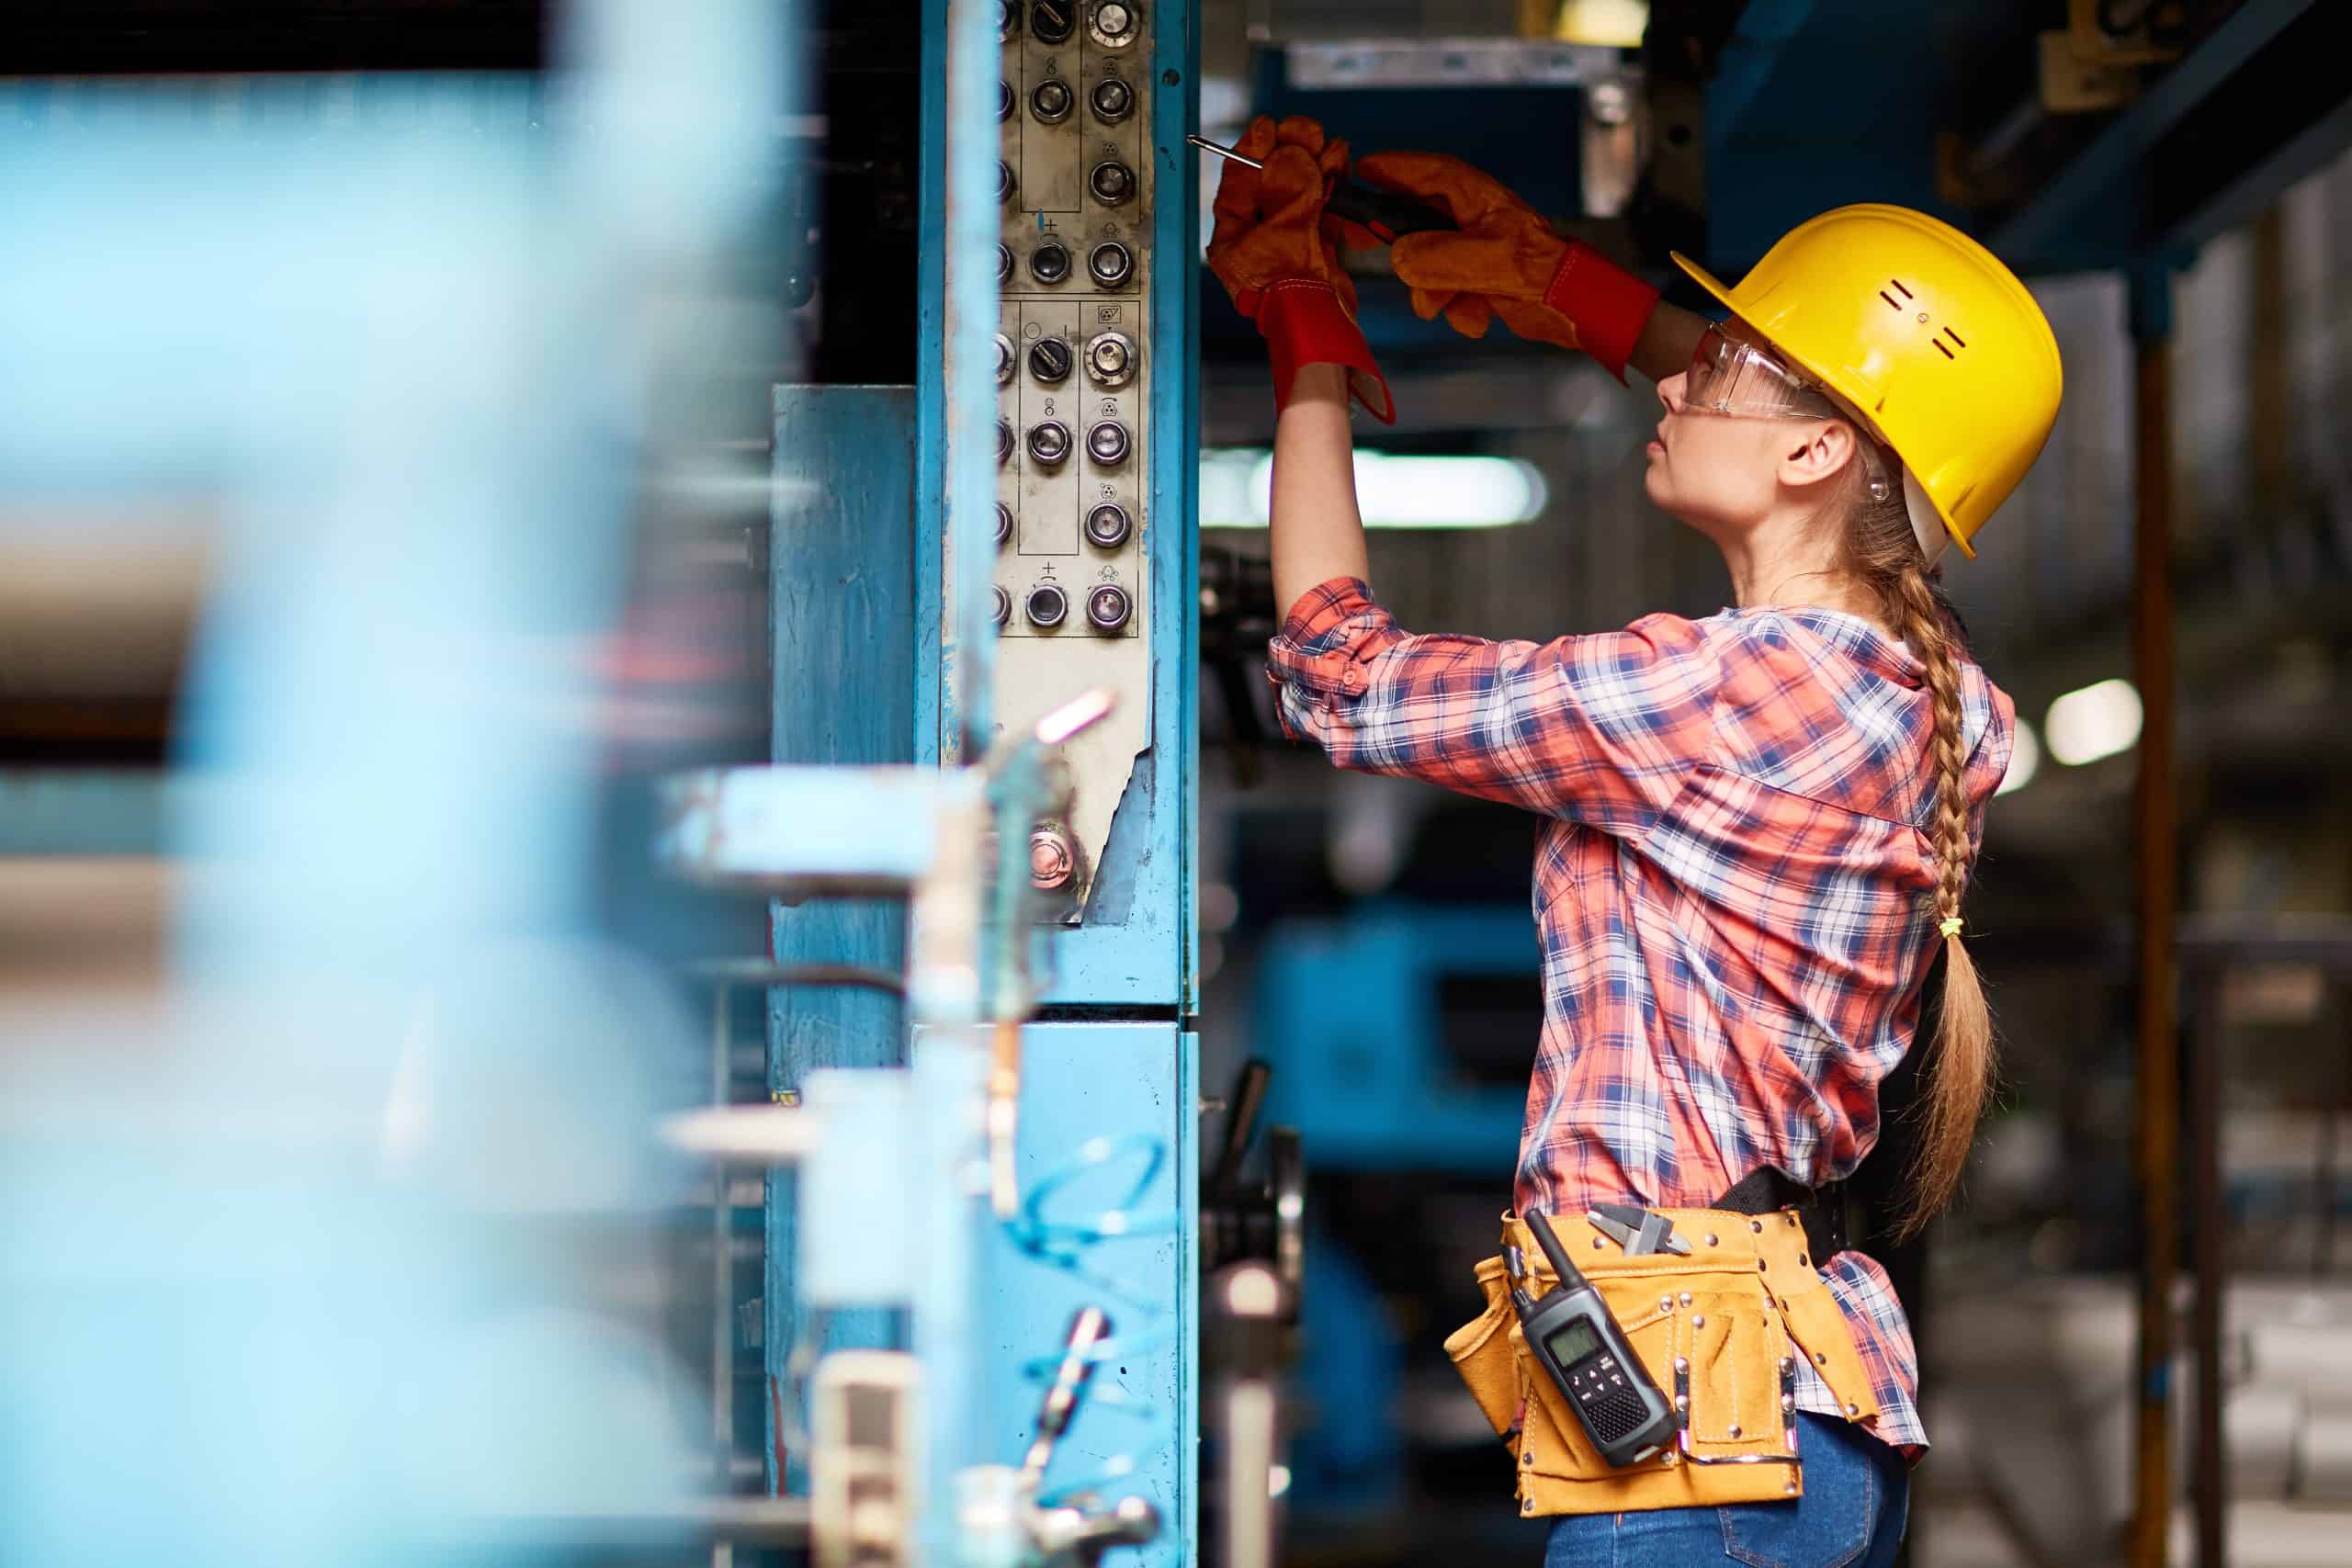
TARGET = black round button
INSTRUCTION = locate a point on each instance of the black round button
(1107, 442)
(1004, 263)
(1113, 100)
(999, 606)
(1108, 526)
(1049, 360)
(1008, 18)
(1047, 606)
(1049, 263)
(1111, 264)
(1112, 182)
(1003, 440)
(1005, 100)
(1108, 607)
(1051, 100)
(1003, 525)
(1049, 441)
(1052, 20)
(1005, 184)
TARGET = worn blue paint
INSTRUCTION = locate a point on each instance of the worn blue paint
(85, 811)
(934, 708)
(842, 631)
(1370, 1085)
(2117, 156)
(1118, 1081)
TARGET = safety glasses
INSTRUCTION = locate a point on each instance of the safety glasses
(1732, 375)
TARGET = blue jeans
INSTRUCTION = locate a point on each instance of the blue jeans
(1857, 1495)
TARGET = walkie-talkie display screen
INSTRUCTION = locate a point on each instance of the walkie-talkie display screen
(1573, 1343)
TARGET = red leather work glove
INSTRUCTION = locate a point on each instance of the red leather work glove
(1506, 261)
(1270, 254)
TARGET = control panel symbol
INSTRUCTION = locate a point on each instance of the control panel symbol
(1108, 526)
(1107, 607)
(1049, 442)
(1049, 360)
(1052, 100)
(1046, 606)
(1112, 182)
(1049, 263)
(1110, 359)
(1111, 263)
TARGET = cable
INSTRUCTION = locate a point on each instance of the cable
(1143, 1324)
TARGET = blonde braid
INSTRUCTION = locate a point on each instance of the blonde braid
(1883, 554)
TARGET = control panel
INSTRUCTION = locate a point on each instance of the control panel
(1073, 373)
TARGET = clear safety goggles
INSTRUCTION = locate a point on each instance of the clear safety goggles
(1732, 375)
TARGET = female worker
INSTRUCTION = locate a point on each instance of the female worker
(1758, 827)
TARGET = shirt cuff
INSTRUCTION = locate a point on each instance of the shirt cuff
(1319, 653)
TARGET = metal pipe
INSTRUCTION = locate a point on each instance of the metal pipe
(722, 1275)
(2158, 872)
(2210, 1485)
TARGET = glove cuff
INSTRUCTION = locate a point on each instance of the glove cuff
(1607, 305)
(1303, 323)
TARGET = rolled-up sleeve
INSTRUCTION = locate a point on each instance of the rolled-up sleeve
(1599, 728)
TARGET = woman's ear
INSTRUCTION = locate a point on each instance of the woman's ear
(1818, 453)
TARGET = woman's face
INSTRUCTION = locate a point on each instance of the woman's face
(1718, 472)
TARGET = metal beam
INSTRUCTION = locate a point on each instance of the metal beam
(2117, 149)
(2306, 153)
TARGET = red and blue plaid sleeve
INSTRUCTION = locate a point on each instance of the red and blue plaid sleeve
(1599, 728)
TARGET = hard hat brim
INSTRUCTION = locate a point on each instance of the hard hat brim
(1714, 286)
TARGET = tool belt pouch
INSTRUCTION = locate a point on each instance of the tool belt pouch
(1718, 1331)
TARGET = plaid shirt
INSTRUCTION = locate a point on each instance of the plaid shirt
(1734, 896)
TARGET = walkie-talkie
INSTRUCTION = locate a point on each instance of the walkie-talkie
(1575, 1339)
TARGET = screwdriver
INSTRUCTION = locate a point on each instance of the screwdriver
(1386, 215)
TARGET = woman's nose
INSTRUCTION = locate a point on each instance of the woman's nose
(1669, 391)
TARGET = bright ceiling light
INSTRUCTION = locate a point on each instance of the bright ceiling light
(2025, 758)
(2097, 721)
(1236, 488)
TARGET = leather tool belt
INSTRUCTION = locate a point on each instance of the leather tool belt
(1718, 1331)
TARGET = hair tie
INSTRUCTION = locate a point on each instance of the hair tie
(1950, 927)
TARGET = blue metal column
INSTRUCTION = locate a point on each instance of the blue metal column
(842, 628)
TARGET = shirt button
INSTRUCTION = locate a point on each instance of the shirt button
(1351, 680)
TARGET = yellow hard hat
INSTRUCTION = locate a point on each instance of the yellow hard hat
(1924, 332)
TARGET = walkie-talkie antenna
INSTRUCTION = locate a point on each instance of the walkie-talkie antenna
(1569, 1275)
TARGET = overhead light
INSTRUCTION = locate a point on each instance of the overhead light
(1237, 489)
(2097, 721)
(2025, 759)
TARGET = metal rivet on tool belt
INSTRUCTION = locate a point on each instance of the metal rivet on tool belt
(1527, 1505)
(1761, 1266)
(1787, 1401)
(1711, 1241)
(1853, 1409)
(1596, 1244)
(1698, 1323)
(1682, 1363)
(1756, 1225)
(1788, 1365)
(1791, 1489)
(1821, 1358)
(1792, 1217)
(1802, 1262)
(1528, 1458)
(1734, 1433)
(1686, 1298)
